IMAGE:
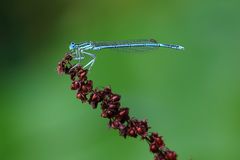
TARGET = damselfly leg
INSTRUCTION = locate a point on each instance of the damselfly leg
(89, 64)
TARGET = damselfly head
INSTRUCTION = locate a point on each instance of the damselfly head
(72, 46)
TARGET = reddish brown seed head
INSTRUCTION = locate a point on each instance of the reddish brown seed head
(159, 141)
(68, 57)
(112, 106)
(60, 68)
(107, 90)
(89, 85)
(132, 132)
(115, 124)
(110, 113)
(79, 95)
(140, 130)
(170, 155)
(153, 148)
(154, 134)
(115, 98)
(82, 97)
(104, 114)
(159, 156)
(82, 74)
(123, 112)
(93, 104)
(84, 88)
(95, 97)
(75, 85)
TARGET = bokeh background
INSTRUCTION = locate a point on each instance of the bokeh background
(192, 98)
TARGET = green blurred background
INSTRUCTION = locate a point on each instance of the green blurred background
(192, 98)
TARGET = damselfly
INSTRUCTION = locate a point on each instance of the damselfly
(79, 51)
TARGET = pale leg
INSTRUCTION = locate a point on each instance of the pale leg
(89, 64)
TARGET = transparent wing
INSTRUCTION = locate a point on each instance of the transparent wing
(127, 45)
(114, 43)
(151, 43)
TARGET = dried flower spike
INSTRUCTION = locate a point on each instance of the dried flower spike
(112, 109)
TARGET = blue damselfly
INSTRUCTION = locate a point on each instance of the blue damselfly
(79, 50)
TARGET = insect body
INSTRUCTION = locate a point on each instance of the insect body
(80, 50)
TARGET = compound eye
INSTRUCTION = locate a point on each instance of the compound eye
(72, 46)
